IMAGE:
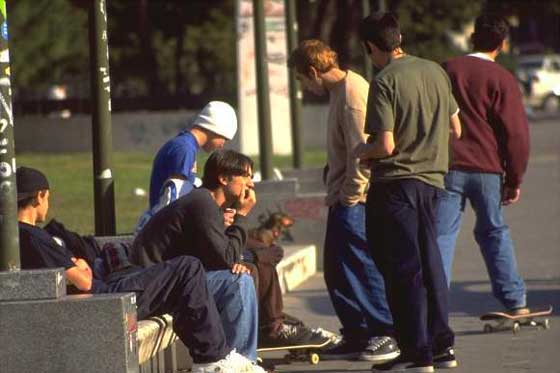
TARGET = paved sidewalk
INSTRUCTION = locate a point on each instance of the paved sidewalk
(535, 225)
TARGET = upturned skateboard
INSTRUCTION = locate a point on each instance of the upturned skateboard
(300, 352)
(536, 318)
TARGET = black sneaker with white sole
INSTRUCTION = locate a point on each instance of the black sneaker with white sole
(343, 350)
(380, 349)
(292, 335)
(401, 365)
(446, 359)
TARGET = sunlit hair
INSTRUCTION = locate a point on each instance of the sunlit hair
(489, 32)
(226, 163)
(313, 53)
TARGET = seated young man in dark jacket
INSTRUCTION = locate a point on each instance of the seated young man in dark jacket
(176, 286)
(193, 222)
(194, 225)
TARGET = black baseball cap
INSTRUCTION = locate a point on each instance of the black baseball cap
(29, 181)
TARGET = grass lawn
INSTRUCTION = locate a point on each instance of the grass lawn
(71, 181)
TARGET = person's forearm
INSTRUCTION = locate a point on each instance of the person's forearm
(455, 126)
(516, 157)
(354, 184)
(376, 150)
(356, 176)
(514, 135)
(81, 278)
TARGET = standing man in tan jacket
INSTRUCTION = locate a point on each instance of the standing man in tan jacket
(354, 283)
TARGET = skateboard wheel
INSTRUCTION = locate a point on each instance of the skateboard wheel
(516, 327)
(314, 359)
(488, 328)
(533, 323)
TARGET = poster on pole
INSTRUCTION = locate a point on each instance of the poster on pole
(277, 75)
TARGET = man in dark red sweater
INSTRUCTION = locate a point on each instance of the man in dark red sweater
(489, 161)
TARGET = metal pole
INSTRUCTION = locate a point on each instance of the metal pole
(104, 194)
(263, 92)
(295, 89)
(382, 5)
(9, 232)
(366, 9)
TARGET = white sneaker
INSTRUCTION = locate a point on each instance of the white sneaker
(232, 363)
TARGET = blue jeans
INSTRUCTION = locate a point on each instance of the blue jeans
(484, 191)
(236, 300)
(355, 285)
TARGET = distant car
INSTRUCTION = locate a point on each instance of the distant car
(539, 76)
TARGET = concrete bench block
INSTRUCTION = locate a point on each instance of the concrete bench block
(32, 284)
(77, 333)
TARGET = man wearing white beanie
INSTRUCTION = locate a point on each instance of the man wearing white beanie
(215, 124)
(173, 174)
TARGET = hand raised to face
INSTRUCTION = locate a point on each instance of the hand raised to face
(246, 201)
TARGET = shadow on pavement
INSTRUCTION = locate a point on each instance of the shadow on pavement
(473, 298)
(335, 370)
(466, 298)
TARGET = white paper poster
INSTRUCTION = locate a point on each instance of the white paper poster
(277, 76)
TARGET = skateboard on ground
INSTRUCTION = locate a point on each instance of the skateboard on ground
(536, 318)
(308, 353)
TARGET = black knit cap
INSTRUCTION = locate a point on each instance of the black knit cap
(29, 181)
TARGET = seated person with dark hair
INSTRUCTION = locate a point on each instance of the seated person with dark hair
(275, 327)
(194, 224)
(176, 286)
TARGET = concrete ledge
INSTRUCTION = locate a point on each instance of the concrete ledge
(277, 187)
(32, 284)
(299, 263)
(76, 333)
(154, 335)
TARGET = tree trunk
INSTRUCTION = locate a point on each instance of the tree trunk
(147, 52)
(340, 34)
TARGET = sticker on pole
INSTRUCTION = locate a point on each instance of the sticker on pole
(4, 30)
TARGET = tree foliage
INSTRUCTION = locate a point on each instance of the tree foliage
(426, 24)
(187, 48)
(48, 42)
(167, 48)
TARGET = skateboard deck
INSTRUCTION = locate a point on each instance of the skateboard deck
(536, 318)
(299, 352)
